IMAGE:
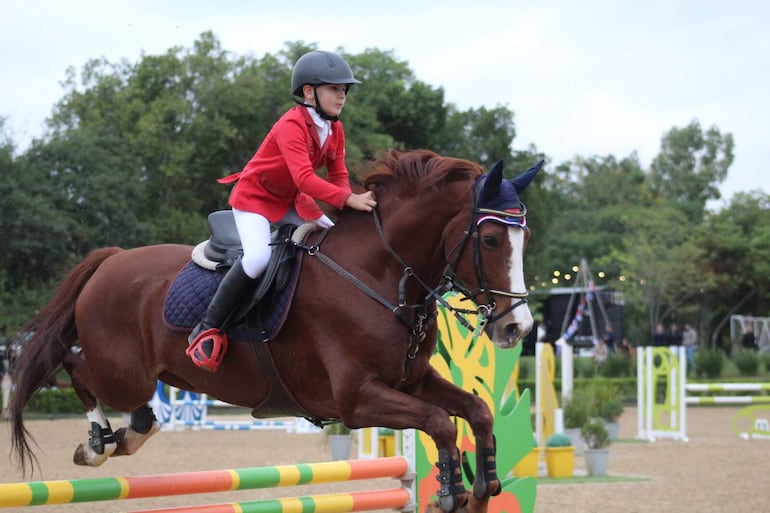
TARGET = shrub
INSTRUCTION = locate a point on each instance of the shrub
(558, 440)
(747, 362)
(709, 363)
(55, 400)
(583, 367)
(595, 434)
(337, 428)
(766, 360)
(616, 366)
(576, 409)
(606, 402)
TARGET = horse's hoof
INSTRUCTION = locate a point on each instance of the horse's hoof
(85, 456)
(446, 503)
(483, 489)
(450, 503)
(81, 457)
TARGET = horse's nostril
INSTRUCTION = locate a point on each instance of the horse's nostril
(511, 331)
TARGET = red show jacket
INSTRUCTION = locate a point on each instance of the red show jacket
(282, 171)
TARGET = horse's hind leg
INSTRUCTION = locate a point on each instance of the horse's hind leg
(101, 440)
(143, 425)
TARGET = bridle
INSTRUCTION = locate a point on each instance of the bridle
(484, 310)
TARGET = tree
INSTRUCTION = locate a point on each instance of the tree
(482, 135)
(391, 108)
(592, 196)
(690, 166)
(737, 244)
(663, 262)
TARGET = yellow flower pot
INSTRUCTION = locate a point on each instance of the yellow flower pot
(560, 461)
(527, 467)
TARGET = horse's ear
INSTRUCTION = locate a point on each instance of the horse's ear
(490, 188)
(521, 182)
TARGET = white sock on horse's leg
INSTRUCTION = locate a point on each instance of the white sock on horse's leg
(87, 454)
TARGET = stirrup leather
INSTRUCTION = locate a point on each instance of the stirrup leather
(208, 358)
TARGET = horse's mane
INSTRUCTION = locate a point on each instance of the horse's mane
(419, 170)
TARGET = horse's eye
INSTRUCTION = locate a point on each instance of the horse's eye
(490, 241)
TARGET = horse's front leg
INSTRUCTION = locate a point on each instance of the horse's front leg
(437, 390)
(376, 404)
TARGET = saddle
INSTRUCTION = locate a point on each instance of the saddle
(262, 316)
(258, 320)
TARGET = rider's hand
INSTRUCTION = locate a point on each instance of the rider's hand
(365, 201)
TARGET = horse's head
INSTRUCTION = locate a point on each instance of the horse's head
(478, 221)
(489, 261)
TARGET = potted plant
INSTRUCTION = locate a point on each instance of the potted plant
(340, 440)
(597, 441)
(559, 455)
(575, 412)
(528, 466)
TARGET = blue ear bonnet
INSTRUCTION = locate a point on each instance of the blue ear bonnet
(507, 198)
(497, 197)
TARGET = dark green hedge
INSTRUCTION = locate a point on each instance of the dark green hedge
(55, 400)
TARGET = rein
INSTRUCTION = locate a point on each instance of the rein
(422, 320)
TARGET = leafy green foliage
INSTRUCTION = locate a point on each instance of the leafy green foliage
(337, 428)
(617, 366)
(55, 401)
(709, 363)
(605, 401)
(747, 362)
(558, 440)
(689, 166)
(595, 434)
(576, 410)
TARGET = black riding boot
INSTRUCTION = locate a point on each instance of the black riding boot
(231, 291)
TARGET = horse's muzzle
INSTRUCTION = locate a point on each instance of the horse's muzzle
(507, 334)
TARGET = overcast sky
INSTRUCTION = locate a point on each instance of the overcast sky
(583, 78)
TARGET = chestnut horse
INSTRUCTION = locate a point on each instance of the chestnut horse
(441, 224)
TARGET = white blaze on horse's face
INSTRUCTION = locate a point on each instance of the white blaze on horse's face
(513, 326)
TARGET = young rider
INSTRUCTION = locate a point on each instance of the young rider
(279, 185)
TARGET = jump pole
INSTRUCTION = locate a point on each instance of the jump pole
(395, 498)
(185, 483)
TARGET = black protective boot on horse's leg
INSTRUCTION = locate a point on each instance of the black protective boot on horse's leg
(207, 344)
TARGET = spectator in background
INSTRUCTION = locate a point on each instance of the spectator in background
(600, 353)
(674, 336)
(609, 338)
(659, 337)
(690, 342)
(749, 341)
(627, 348)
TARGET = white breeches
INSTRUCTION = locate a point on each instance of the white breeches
(254, 230)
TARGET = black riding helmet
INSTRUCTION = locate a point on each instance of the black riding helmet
(317, 68)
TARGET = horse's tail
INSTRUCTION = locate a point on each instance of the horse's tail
(54, 334)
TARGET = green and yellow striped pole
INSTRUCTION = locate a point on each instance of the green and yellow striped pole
(395, 498)
(183, 483)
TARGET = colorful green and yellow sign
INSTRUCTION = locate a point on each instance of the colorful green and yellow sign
(477, 365)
